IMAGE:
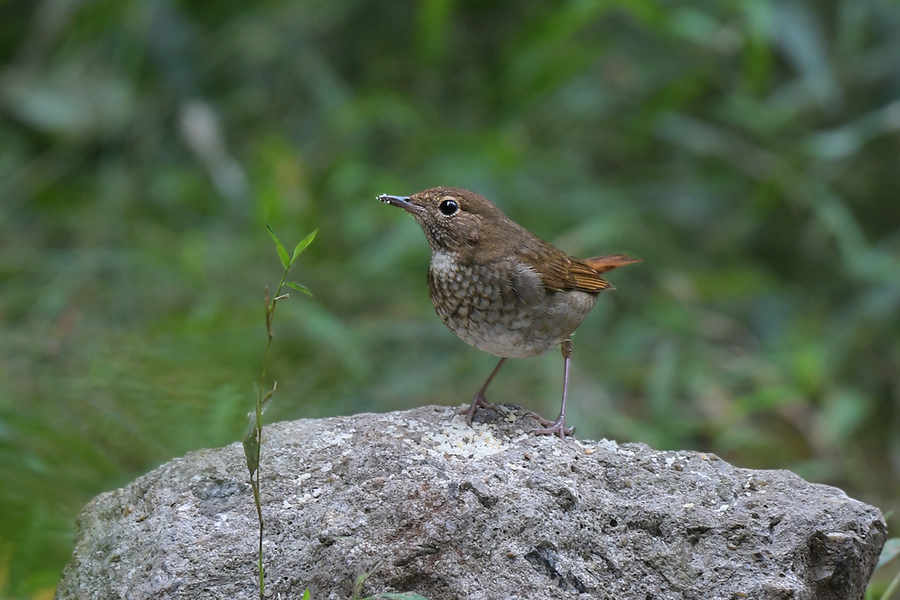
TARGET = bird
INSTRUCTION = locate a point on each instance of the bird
(502, 289)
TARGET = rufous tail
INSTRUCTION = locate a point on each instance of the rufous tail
(608, 262)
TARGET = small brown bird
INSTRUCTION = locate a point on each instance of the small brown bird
(500, 288)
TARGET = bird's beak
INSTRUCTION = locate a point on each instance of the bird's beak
(401, 201)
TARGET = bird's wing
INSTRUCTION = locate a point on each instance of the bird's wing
(562, 272)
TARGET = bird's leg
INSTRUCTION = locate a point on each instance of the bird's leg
(479, 401)
(558, 427)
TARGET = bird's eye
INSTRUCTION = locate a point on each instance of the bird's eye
(449, 207)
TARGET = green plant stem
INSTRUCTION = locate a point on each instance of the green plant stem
(891, 588)
(253, 440)
(260, 400)
(262, 573)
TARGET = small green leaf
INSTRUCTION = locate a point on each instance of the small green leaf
(298, 287)
(403, 596)
(267, 399)
(251, 445)
(305, 595)
(889, 552)
(302, 246)
(282, 251)
(889, 592)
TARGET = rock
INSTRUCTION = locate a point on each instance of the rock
(426, 504)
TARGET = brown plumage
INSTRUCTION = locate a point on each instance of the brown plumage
(499, 287)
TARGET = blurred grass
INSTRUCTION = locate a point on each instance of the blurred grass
(746, 150)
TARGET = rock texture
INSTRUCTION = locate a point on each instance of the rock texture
(428, 505)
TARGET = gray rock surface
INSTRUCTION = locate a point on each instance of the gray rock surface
(429, 505)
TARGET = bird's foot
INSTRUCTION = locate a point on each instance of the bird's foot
(557, 427)
(478, 402)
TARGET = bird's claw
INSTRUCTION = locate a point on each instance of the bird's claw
(478, 402)
(557, 427)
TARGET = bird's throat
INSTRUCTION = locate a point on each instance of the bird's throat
(444, 264)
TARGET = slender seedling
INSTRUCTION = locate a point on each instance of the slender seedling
(890, 551)
(253, 437)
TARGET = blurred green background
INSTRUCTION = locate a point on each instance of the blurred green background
(747, 150)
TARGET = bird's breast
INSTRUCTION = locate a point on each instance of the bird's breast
(502, 307)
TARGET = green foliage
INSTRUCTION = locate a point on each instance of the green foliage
(253, 438)
(361, 580)
(403, 596)
(890, 552)
(746, 150)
